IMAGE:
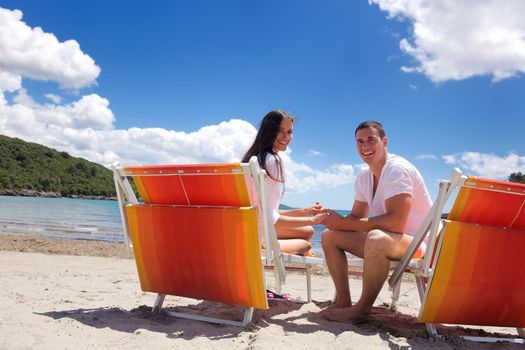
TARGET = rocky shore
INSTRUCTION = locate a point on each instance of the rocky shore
(33, 193)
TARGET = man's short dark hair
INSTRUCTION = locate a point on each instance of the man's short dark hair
(372, 124)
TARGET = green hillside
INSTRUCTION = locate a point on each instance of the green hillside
(517, 177)
(27, 167)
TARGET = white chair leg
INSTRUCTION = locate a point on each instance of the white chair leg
(308, 284)
(158, 302)
(248, 314)
(521, 332)
(431, 329)
(396, 291)
(277, 279)
(420, 287)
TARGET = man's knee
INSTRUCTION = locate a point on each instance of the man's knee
(377, 242)
(327, 239)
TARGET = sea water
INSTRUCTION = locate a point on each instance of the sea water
(74, 219)
(61, 217)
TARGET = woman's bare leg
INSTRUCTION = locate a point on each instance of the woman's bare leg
(295, 246)
(303, 232)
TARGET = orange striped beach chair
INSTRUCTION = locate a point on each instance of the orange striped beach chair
(472, 273)
(196, 234)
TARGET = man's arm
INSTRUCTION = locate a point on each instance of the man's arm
(397, 210)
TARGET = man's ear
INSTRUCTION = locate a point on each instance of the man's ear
(385, 141)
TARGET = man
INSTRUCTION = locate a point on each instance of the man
(391, 201)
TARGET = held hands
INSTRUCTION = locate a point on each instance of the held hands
(314, 209)
(330, 218)
(322, 215)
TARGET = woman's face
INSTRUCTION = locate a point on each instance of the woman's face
(284, 137)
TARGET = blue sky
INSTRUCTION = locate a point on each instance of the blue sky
(189, 81)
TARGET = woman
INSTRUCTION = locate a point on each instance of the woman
(293, 227)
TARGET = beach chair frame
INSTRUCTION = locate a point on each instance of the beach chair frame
(125, 194)
(423, 270)
(272, 255)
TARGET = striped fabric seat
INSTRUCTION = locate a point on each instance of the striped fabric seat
(195, 235)
(476, 276)
(205, 253)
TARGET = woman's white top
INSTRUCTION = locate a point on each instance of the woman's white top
(274, 188)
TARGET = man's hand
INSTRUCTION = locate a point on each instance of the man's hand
(332, 219)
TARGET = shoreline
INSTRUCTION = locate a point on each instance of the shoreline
(60, 246)
(44, 194)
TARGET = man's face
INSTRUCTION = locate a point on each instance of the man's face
(370, 147)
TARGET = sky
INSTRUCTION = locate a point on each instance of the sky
(159, 82)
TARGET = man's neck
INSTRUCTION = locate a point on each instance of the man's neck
(377, 168)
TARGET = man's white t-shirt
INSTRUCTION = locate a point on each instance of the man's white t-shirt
(397, 176)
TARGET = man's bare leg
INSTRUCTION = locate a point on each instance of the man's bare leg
(380, 247)
(335, 243)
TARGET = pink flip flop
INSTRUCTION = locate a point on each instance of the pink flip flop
(274, 296)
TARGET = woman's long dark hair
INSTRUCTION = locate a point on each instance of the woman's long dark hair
(263, 144)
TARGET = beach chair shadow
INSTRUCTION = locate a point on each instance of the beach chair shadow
(472, 270)
(388, 325)
(142, 318)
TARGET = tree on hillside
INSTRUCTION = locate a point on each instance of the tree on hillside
(517, 177)
(30, 166)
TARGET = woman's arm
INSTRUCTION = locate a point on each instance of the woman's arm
(298, 221)
(313, 210)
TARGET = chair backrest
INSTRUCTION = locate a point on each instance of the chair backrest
(478, 277)
(196, 235)
(490, 202)
(193, 184)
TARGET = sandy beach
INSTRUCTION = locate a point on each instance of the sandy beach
(65, 294)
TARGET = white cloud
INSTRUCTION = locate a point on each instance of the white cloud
(426, 157)
(455, 40)
(74, 129)
(413, 87)
(55, 98)
(32, 53)
(487, 165)
(86, 127)
(314, 153)
(9, 81)
(302, 178)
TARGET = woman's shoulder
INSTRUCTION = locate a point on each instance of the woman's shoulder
(273, 164)
(271, 159)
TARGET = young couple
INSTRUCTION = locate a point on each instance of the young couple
(391, 201)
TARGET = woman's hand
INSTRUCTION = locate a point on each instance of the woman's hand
(314, 209)
(319, 219)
